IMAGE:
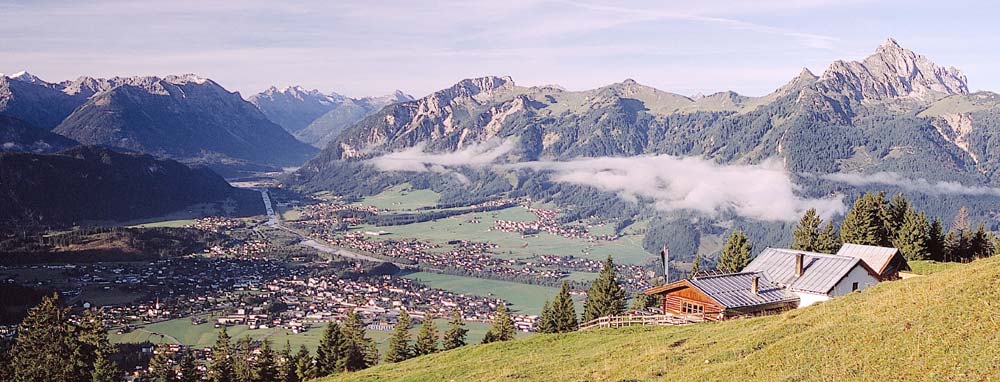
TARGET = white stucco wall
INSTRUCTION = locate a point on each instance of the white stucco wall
(857, 275)
(806, 299)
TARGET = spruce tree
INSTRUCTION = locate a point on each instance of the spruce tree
(188, 367)
(736, 253)
(828, 241)
(328, 355)
(43, 345)
(912, 236)
(286, 372)
(243, 367)
(605, 297)
(896, 213)
(455, 336)
(356, 345)
(935, 241)
(305, 369)
(979, 244)
(427, 339)
(266, 368)
(807, 232)
(160, 369)
(399, 343)
(221, 367)
(563, 313)
(91, 338)
(503, 326)
(105, 370)
(695, 266)
(866, 222)
(545, 324)
(6, 358)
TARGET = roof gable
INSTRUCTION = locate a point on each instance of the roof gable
(877, 258)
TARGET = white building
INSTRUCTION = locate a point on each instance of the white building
(813, 277)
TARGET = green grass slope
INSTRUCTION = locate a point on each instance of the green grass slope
(941, 327)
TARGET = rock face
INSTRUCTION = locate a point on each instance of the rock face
(183, 117)
(93, 183)
(317, 118)
(37, 102)
(19, 136)
(294, 108)
(892, 72)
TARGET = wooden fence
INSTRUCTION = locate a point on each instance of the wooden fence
(639, 320)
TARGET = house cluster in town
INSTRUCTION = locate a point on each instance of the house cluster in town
(777, 280)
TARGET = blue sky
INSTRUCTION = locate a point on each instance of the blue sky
(372, 47)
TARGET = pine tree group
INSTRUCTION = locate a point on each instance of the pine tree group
(811, 235)
(560, 315)
(503, 326)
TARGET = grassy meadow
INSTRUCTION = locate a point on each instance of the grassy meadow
(941, 327)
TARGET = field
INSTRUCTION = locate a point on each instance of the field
(204, 335)
(476, 227)
(926, 267)
(402, 197)
(524, 298)
(941, 327)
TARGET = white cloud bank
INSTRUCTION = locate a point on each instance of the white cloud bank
(920, 185)
(764, 192)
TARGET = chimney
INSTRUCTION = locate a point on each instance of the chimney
(755, 284)
(798, 264)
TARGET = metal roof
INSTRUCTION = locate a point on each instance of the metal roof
(733, 290)
(876, 258)
(820, 271)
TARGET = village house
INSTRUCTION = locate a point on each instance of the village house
(781, 279)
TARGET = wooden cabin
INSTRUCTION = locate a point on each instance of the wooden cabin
(719, 297)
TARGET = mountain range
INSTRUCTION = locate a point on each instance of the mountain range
(317, 118)
(894, 112)
(184, 117)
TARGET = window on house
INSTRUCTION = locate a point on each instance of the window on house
(690, 308)
(854, 287)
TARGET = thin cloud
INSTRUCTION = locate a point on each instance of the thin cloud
(414, 159)
(920, 185)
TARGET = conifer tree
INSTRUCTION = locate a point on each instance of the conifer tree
(427, 339)
(736, 253)
(399, 343)
(807, 232)
(304, 367)
(6, 358)
(43, 345)
(356, 345)
(563, 313)
(979, 243)
(188, 368)
(221, 367)
(503, 326)
(91, 338)
(605, 296)
(160, 369)
(105, 370)
(328, 355)
(266, 368)
(243, 367)
(935, 241)
(896, 213)
(695, 265)
(912, 236)
(866, 222)
(455, 336)
(545, 324)
(286, 372)
(828, 241)
(996, 246)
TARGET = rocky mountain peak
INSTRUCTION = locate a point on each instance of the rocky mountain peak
(892, 72)
(27, 77)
